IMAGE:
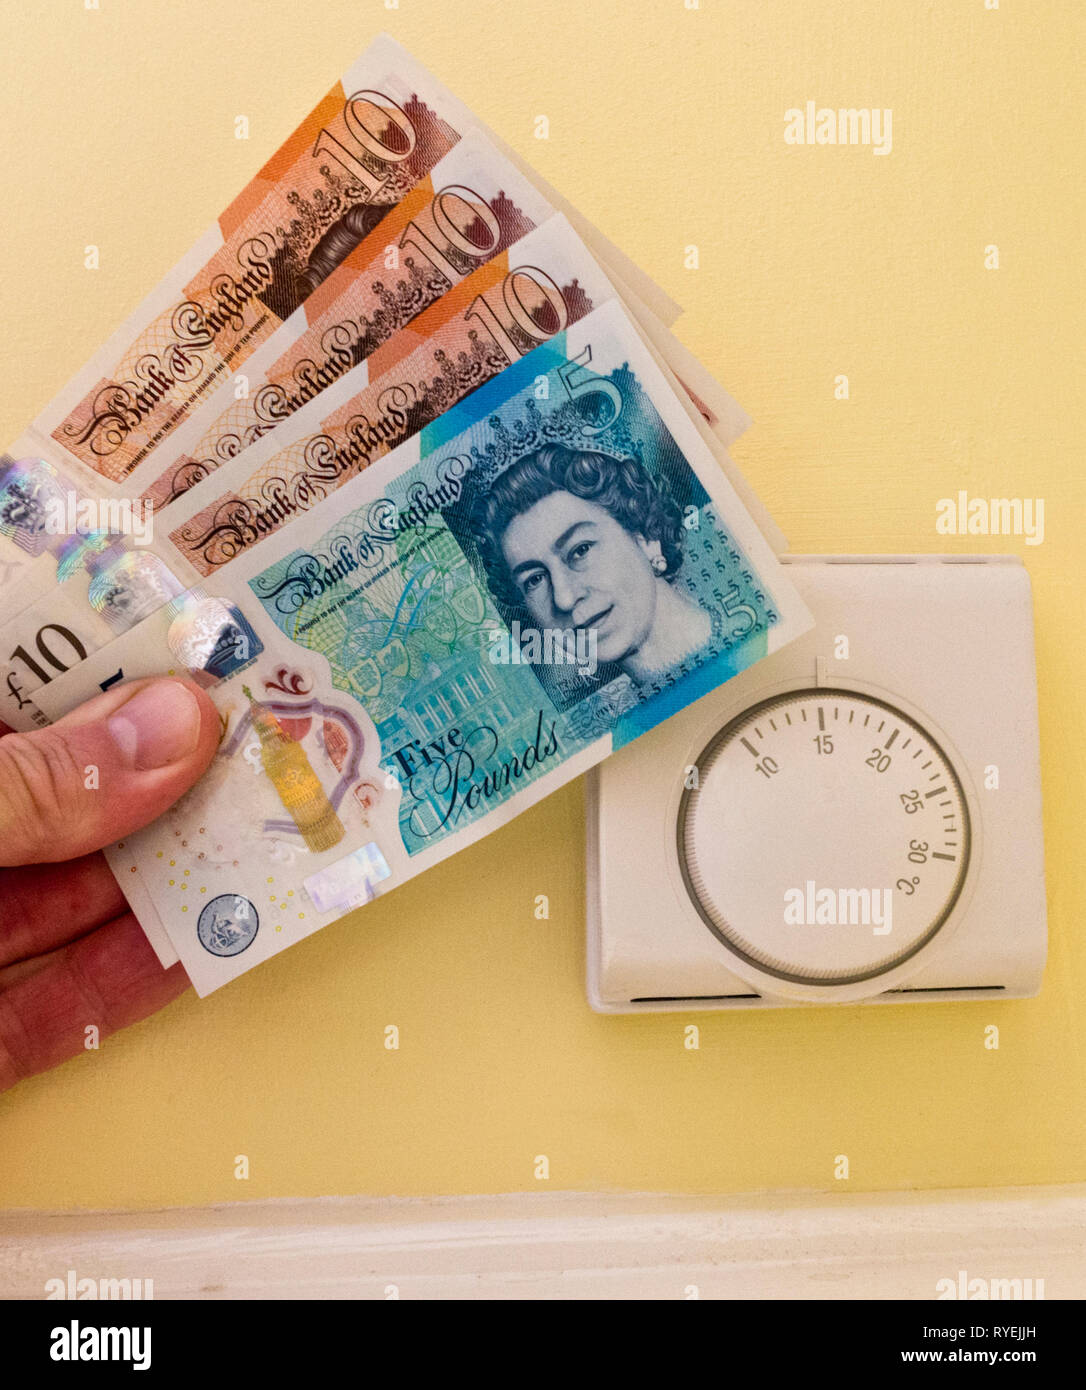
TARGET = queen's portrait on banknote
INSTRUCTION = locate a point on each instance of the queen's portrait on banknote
(588, 543)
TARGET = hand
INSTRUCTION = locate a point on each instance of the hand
(70, 953)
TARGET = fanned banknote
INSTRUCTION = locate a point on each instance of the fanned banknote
(470, 211)
(363, 148)
(547, 280)
(471, 207)
(306, 227)
(540, 575)
(367, 142)
(514, 300)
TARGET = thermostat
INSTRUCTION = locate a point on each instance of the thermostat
(856, 818)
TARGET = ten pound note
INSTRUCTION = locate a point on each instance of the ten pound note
(371, 139)
(538, 576)
(308, 218)
(518, 298)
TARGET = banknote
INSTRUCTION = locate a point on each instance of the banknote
(545, 282)
(305, 228)
(496, 316)
(501, 311)
(519, 297)
(380, 129)
(543, 573)
(366, 144)
(472, 206)
(469, 208)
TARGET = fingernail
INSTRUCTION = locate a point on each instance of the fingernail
(159, 725)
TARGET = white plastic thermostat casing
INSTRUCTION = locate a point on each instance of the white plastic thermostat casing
(889, 755)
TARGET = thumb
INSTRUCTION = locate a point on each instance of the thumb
(103, 771)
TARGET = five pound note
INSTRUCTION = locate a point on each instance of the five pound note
(539, 576)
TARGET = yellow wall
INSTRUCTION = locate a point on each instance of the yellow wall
(667, 129)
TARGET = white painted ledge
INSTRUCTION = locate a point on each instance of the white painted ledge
(565, 1245)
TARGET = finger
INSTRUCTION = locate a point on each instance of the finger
(46, 905)
(108, 979)
(104, 770)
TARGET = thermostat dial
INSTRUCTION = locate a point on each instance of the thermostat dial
(824, 837)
